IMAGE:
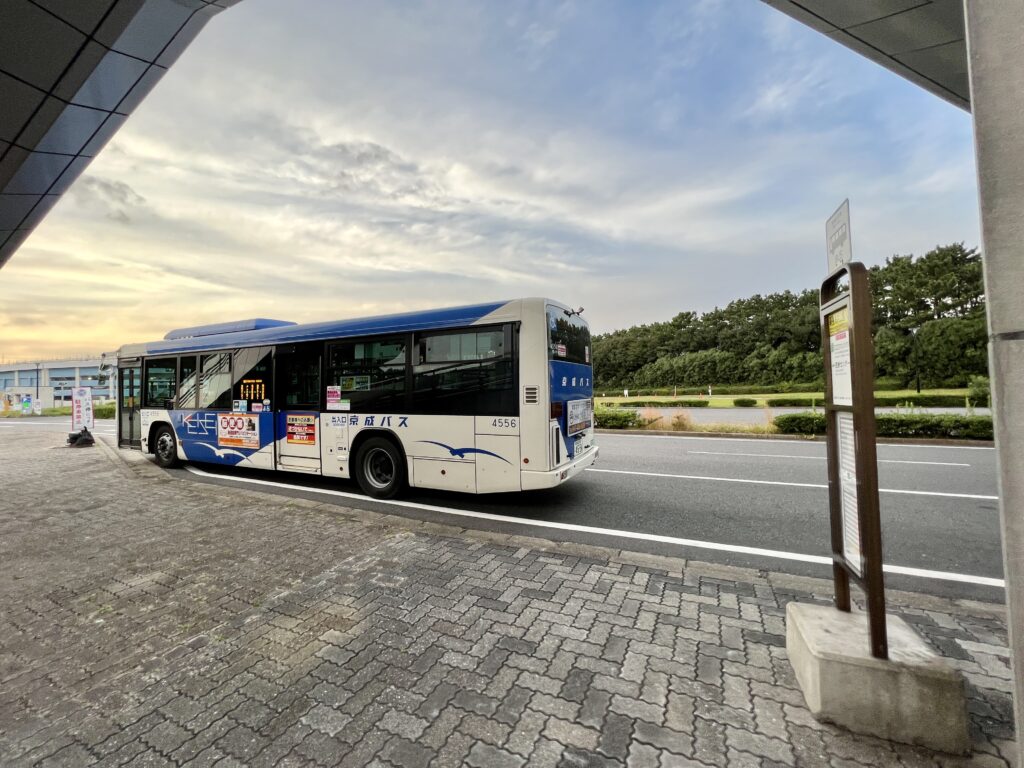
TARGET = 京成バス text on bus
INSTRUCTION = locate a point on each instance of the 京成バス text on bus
(482, 398)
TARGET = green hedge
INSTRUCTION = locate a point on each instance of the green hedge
(897, 425)
(615, 390)
(928, 401)
(889, 401)
(744, 402)
(608, 418)
(927, 425)
(800, 423)
(105, 411)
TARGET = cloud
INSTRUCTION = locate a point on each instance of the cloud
(111, 197)
(322, 160)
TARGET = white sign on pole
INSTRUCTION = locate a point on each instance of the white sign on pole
(837, 237)
(839, 356)
(848, 491)
(81, 409)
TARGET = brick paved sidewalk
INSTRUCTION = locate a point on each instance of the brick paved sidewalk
(148, 620)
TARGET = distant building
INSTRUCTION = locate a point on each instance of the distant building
(50, 382)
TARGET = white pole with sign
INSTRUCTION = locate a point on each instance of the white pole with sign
(837, 237)
(81, 409)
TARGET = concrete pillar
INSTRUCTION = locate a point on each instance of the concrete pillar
(995, 29)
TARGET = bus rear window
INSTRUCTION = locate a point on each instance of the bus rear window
(568, 337)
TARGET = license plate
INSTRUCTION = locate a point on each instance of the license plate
(580, 417)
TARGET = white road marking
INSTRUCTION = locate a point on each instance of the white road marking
(768, 440)
(693, 543)
(791, 485)
(823, 458)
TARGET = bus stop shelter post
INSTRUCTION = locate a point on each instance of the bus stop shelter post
(996, 70)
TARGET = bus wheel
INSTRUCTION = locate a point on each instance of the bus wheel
(165, 447)
(380, 468)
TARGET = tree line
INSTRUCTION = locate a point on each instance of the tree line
(928, 325)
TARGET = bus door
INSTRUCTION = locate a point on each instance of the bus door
(129, 431)
(297, 427)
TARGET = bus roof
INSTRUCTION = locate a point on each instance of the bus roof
(405, 322)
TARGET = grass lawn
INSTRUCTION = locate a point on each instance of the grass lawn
(726, 401)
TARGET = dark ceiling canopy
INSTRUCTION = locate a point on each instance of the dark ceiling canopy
(71, 71)
(922, 40)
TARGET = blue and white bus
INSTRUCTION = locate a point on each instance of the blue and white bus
(481, 399)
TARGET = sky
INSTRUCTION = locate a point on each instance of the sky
(315, 160)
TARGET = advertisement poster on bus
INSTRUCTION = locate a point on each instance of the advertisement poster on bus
(580, 416)
(238, 430)
(301, 429)
(81, 409)
(334, 398)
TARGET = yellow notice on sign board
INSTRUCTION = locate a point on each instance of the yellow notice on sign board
(839, 321)
(839, 356)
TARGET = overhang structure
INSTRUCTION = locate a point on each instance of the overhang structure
(71, 71)
(922, 40)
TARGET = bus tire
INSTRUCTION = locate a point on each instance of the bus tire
(380, 468)
(165, 447)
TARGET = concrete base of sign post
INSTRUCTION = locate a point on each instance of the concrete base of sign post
(913, 696)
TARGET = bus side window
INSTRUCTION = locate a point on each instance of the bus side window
(215, 381)
(188, 382)
(370, 373)
(252, 385)
(465, 373)
(159, 382)
(298, 378)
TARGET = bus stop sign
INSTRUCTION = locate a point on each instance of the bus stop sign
(845, 311)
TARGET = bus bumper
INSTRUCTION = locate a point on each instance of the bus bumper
(533, 481)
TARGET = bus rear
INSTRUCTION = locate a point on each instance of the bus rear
(569, 395)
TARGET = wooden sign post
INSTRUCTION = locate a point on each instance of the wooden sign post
(850, 428)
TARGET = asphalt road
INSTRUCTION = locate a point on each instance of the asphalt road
(729, 499)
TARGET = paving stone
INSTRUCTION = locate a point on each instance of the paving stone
(326, 719)
(581, 758)
(242, 743)
(484, 729)
(642, 756)
(512, 706)
(571, 734)
(595, 707)
(523, 738)
(166, 737)
(475, 702)
(485, 756)
(663, 738)
(552, 705)
(405, 753)
(624, 705)
(616, 736)
(756, 744)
